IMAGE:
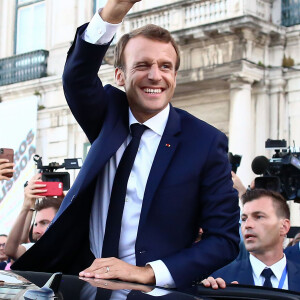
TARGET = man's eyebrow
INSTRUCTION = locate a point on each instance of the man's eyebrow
(254, 213)
(43, 220)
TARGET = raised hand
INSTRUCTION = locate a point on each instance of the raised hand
(31, 191)
(115, 10)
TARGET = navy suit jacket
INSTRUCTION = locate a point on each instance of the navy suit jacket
(189, 185)
(293, 253)
(241, 271)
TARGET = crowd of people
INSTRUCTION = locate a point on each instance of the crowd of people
(155, 200)
(35, 215)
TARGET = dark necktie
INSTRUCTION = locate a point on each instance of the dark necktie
(267, 273)
(110, 246)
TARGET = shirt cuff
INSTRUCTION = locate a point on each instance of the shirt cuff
(158, 293)
(162, 274)
(98, 31)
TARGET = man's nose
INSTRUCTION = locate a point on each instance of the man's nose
(37, 229)
(248, 223)
(154, 73)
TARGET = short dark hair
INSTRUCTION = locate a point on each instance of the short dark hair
(150, 31)
(3, 234)
(49, 202)
(280, 205)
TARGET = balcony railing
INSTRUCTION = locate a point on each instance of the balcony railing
(185, 14)
(23, 67)
(290, 12)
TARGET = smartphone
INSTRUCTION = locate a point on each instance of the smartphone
(53, 188)
(7, 154)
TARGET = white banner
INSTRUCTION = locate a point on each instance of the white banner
(18, 122)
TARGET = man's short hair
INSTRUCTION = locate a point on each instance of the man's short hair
(150, 31)
(3, 234)
(49, 202)
(280, 205)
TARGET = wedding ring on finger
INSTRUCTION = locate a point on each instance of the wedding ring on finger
(107, 269)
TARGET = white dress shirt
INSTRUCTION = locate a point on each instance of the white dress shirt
(277, 268)
(100, 32)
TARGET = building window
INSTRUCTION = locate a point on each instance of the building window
(30, 25)
(98, 4)
(290, 12)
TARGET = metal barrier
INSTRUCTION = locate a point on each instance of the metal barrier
(23, 67)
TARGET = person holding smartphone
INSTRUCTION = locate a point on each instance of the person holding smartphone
(18, 239)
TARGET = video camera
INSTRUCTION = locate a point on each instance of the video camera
(281, 173)
(48, 174)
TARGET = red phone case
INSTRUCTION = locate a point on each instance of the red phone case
(53, 188)
(7, 154)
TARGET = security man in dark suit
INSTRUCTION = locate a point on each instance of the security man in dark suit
(265, 223)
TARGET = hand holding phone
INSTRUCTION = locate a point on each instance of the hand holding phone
(6, 163)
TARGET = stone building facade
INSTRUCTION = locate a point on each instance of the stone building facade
(239, 72)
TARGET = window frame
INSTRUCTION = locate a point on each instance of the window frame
(18, 6)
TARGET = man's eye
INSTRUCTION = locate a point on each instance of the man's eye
(166, 67)
(141, 66)
(44, 223)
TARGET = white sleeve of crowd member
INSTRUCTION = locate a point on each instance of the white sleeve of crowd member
(27, 245)
(162, 274)
(98, 31)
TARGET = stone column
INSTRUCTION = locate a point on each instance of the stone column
(262, 118)
(240, 126)
(278, 110)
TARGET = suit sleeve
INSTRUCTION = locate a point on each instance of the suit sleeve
(83, 89)
(218, 216)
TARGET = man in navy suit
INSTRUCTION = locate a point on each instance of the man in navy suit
(180, 180)
(265, 223)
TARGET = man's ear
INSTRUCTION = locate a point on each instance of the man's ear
(285, 227)
(119, 77)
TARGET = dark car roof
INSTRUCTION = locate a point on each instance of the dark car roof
(14, 284)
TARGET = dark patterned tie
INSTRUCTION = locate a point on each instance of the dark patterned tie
(267, 273)
(110, 246)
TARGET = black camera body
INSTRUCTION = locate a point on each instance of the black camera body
(281, 173)
(48, 174)
(235, 161)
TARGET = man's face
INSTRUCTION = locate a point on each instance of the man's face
(149, 78)
(262, 230)
(3, 257)
(42, 221)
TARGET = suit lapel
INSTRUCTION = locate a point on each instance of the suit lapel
(163, 157)
(111, 137)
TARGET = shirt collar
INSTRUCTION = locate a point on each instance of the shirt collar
(157, 123)
(258, 266)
